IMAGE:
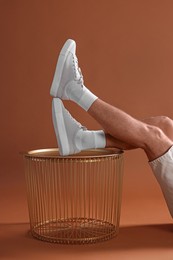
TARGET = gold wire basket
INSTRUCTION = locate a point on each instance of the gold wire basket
(74, 199)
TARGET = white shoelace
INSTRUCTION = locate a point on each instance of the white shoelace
(77, 71)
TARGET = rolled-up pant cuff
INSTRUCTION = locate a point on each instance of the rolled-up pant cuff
(162, 168)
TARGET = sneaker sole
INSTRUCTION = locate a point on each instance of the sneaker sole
(68, 46)
(59, 126)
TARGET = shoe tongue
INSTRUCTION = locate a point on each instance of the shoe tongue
(74, 121)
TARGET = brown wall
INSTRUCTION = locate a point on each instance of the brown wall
(125, 50)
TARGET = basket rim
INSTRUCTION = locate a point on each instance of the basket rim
(91, 153)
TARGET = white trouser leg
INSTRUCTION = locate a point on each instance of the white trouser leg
(163, 170)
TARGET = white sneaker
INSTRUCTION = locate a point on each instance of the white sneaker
(67, 75)
(67, 129)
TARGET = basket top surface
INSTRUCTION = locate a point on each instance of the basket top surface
(54, 153)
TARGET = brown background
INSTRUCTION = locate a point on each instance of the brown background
(125, 50)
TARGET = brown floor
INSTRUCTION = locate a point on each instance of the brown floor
(146, 232)
(145, 241)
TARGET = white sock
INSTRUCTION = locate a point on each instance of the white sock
(80, 95)
(90, 139)
(87, 99)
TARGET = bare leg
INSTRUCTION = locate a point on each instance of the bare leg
(124, 128)
(113, 142)
(163, 122)
(130, 131)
